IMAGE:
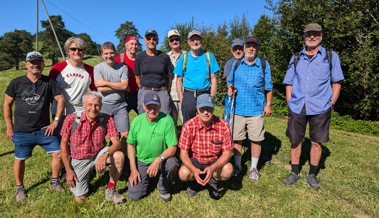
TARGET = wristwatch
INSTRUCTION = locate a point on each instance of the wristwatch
(161, 157)
(56, 118)
(107, 153)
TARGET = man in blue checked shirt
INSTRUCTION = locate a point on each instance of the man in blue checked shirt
(312, 88)
(253, 89)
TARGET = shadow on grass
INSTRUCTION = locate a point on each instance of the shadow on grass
(35, 185)
(6, 153)
(305, 155)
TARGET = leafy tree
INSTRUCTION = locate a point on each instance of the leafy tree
(126, 29)
(13, 48)
(240, 28)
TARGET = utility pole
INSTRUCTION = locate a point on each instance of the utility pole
(37, 26)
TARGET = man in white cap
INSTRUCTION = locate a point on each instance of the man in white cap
(313, 85)
(33, 94)
(174, 41)
(196, 71)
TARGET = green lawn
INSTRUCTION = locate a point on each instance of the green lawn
(349, 183)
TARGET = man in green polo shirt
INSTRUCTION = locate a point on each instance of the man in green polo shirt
(152, 144)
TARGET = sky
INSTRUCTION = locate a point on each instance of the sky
(100, 19)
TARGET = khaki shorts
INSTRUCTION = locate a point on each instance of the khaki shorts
(252, 125)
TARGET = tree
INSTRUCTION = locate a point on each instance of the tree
(126, 29)
(13, 48)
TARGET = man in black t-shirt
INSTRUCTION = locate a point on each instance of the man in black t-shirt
(33, 94)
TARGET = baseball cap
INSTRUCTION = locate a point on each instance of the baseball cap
(151, 32)
(237, 42)
(312, 27)
(127, 39)
(252, 39)
(205, 100)
(34, 55)
(194, 32)
(151, 98)
(173, 33)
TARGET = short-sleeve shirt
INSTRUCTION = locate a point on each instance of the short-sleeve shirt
(152, 138)
(195, 76)
(113, 74)
(32, 102)
(173, 91)
(228, 67)
(87, 140)
(131, 77)
(205, 144)
(153, 70)
(311, 85)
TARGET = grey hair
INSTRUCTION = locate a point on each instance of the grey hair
(93, 94)
(78, 41)
(108, 45)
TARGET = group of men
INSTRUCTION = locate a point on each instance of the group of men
(160, 88)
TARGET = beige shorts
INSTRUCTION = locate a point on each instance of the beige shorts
(252, 125)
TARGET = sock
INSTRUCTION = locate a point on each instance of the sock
(237, 160)
(20, 187)
(254, 162)
(313, 169)
(111, 185)
(54, 180)
(295, 168)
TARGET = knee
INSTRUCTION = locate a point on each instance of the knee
(316, 145)
(135, 196)
(118, 158)
(227, 171)
(80, 198)
(185, 174)
(57, 155)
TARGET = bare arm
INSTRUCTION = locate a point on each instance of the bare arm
(7, 107)
(267, 109)
(336, 88)
(108, 86)
(221, 161)
(101, 163)
(135, 176)
(49, 130)
(71, 177)
(153, 168)
(138, 81)
(184, 156)
(288, 92)
(213, 85)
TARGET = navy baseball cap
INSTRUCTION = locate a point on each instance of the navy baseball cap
(151, 98)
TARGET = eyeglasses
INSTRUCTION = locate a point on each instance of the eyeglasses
(74, 49)
(195, 39)
(151, 38)
(176, 39)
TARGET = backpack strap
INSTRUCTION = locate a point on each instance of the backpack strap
(238, 62)
(76, 122)
(329, 58)
(296, 58)
(184, 64)
(207, 56)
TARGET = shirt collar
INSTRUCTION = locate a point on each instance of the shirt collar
(200, 125)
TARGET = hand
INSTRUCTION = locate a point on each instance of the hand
(208, 172)
(101, 81)
(50, 128)
(71, 178)
(10, 133)
(267, 110)
(101, 163)
(231, 90)
(153, 169)
(134, 178)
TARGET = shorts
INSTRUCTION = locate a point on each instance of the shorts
(120, 115)
(252, 125)
(24, 143)
(83, 169)
(318, 126)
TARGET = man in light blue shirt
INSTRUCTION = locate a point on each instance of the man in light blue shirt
(252, 85)
(312, 88)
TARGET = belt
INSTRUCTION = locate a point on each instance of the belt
(198, 92)
(155, 89)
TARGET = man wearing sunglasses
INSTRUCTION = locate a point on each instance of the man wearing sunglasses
(174, 41)
(196, 73)
(153, 70)
(205, 149)
(32, 94)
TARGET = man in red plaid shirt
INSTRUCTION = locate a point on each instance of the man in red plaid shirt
(84, 149)
(206, 147)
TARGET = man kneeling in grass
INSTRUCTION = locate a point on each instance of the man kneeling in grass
(83, 139)
(205, 149)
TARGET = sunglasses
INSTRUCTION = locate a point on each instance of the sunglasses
(151, 38)
(74, 49)
(176, 39)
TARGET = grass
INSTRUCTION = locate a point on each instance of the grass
(349, 180)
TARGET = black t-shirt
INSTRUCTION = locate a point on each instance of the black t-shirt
(153, 69)
(32, 102)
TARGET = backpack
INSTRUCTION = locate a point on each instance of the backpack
(77, 121)
(263, 63)
(328, 57)
(208, 57)
(122, 58)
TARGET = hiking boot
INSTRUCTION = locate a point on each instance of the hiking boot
(312, 181)
(56, 186)
(166, 197)
(191, 192)
(21, 194)
(253, 175)
(237, 170)
(292, 178)
(213, 190)
(112, 195)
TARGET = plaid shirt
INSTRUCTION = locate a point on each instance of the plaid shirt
(87, 140)
(205, 144)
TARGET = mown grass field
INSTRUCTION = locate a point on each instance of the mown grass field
(349, 183)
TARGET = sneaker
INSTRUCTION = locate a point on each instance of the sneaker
(112, 195)
(166, 197)
(292, 178)
(237, 170)
(312, 181)
(191, 192)
(56, 186)
(253, 175)
(213, 190)
(21, 194)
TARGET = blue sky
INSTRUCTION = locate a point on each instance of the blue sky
(100, 19)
